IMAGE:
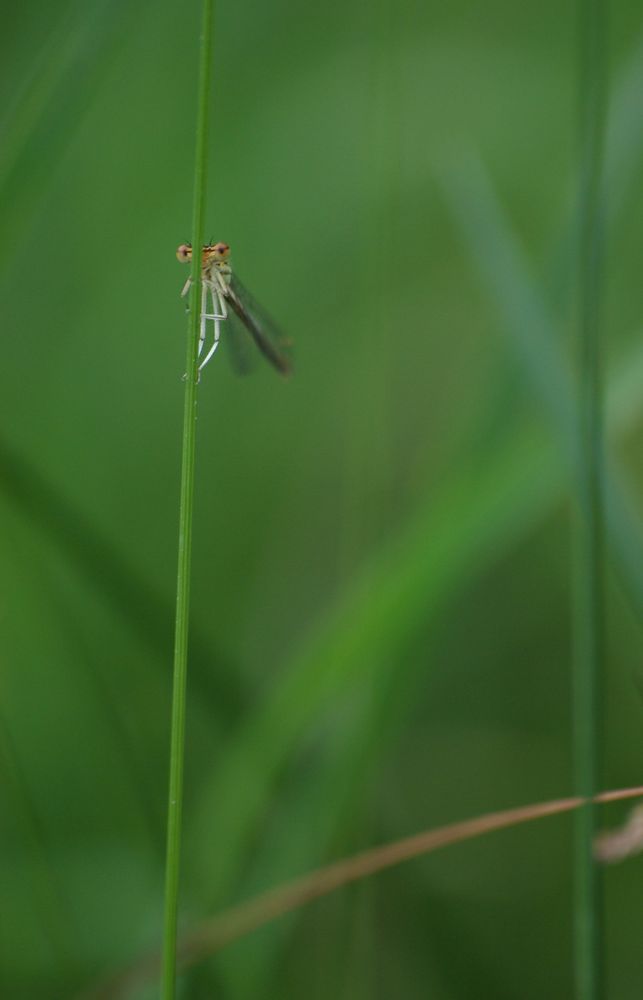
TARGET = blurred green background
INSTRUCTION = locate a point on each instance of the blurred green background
(383, 548)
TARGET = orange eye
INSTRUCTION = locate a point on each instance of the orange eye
(184, 252)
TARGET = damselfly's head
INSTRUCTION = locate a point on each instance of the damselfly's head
(215, 253)
(212, 253)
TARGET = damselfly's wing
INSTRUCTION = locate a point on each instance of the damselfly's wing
(262, 329)
(242, 351)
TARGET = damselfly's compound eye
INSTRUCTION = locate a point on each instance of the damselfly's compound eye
(222, 249)
(184, 252)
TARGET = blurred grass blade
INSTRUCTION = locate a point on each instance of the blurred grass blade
(105, 570)
(49, 107)
(532, 332)
(501, 262)
(624, 133)
(623, 154)
(589, 617)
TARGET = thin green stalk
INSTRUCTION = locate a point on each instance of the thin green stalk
(177, 748)
(590, 612)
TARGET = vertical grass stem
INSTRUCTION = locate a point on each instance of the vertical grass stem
(175, 796)
(590, 612)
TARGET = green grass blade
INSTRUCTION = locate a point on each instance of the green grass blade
(589, 618)
(623, 153)
(501, 262)
(177, 748)
(533, 334)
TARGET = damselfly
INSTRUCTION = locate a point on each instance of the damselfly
(222, 288)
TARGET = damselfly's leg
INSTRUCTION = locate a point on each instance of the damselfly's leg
(184, 292)
(219, 305)
(218, 314)
(204, 318)
(219, 310)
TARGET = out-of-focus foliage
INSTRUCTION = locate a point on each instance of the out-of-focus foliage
(381, 578)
